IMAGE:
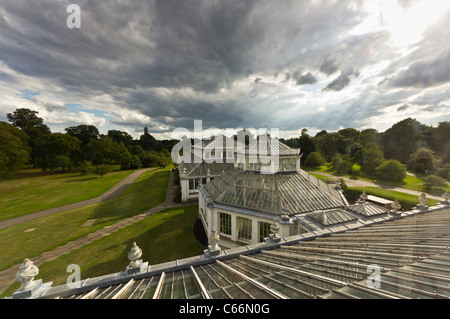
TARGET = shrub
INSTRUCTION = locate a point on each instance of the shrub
(356, 170)
(86, 168)
(102, 169)
(314, 159)
(435, 184)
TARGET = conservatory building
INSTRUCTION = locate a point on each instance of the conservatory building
(244, 202)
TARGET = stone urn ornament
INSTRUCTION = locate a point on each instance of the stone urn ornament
(275, 229)
(423, 200)
(134, 255)
(25, 275)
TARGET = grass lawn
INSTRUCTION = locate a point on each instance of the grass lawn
(32, 190)
(409, 182)
(163, 237)
(52, 231)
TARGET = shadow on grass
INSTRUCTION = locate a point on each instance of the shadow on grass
(161, 237)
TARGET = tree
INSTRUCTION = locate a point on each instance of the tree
(105, 151)
(327, 145)
(14, 150)
(401, 140)
(369, 159)
(27, 120)
(440, 137)
(102, 169)
(435, 184)
(32, 125)
(306, 145)
(84, 133)
(423, 161)
(391, 170)
(121, 137)
(57, 150)
(315, 159)
(130, 162)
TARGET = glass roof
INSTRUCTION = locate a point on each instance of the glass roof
(413, 262)
(280, 193)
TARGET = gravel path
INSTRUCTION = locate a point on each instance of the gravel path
(361, 183)
(114, 191)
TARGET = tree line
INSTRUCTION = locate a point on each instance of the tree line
(407, 145)
(26, 140)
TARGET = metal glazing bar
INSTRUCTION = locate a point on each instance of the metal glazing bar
(304, 273)
(159, 287)
(90, 294)
(323, 290)
(283, 284)
(200, 285)
(256, 283)
(377, 292)
(245, 292)
(184, 285)
(146, 288)
(123, 289)
(135, 289)
(414, 290)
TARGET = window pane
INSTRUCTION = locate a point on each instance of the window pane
(264, 231)
(224, 223)
(244, 230)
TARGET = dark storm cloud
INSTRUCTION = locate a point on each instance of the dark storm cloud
(329, 65)
(307, 78)
(424, 74)
(341, 81)
(176, 61)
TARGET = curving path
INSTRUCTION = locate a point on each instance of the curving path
(7, 276)
(114, 191)
(361, 183)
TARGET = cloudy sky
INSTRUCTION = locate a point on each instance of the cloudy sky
(232, 64)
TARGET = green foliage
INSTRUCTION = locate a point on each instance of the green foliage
(14, 150)
(444, 172)
(391, 170)
(315, 159)
(83, 132)
(102, 169)
(369, 159)
(435, 184)
(356, 170)
(86, 168)
(422, 161)
(57, 150)
(341, 164)
(130, 162)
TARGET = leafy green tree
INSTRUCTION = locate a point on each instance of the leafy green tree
(369, 159)
(86, 168)
(423, 161)
(306, 145)
(14, 150)
(315, 159)
(57, 150)
(102, 169)
(121, 137)
(84, 133)
(401, 140)
(391, 170)
(28, 121)
(130, 162)
(326, 144)
(435, 184)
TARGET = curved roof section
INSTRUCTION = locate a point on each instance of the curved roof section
(265, 146)
(281, 193)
